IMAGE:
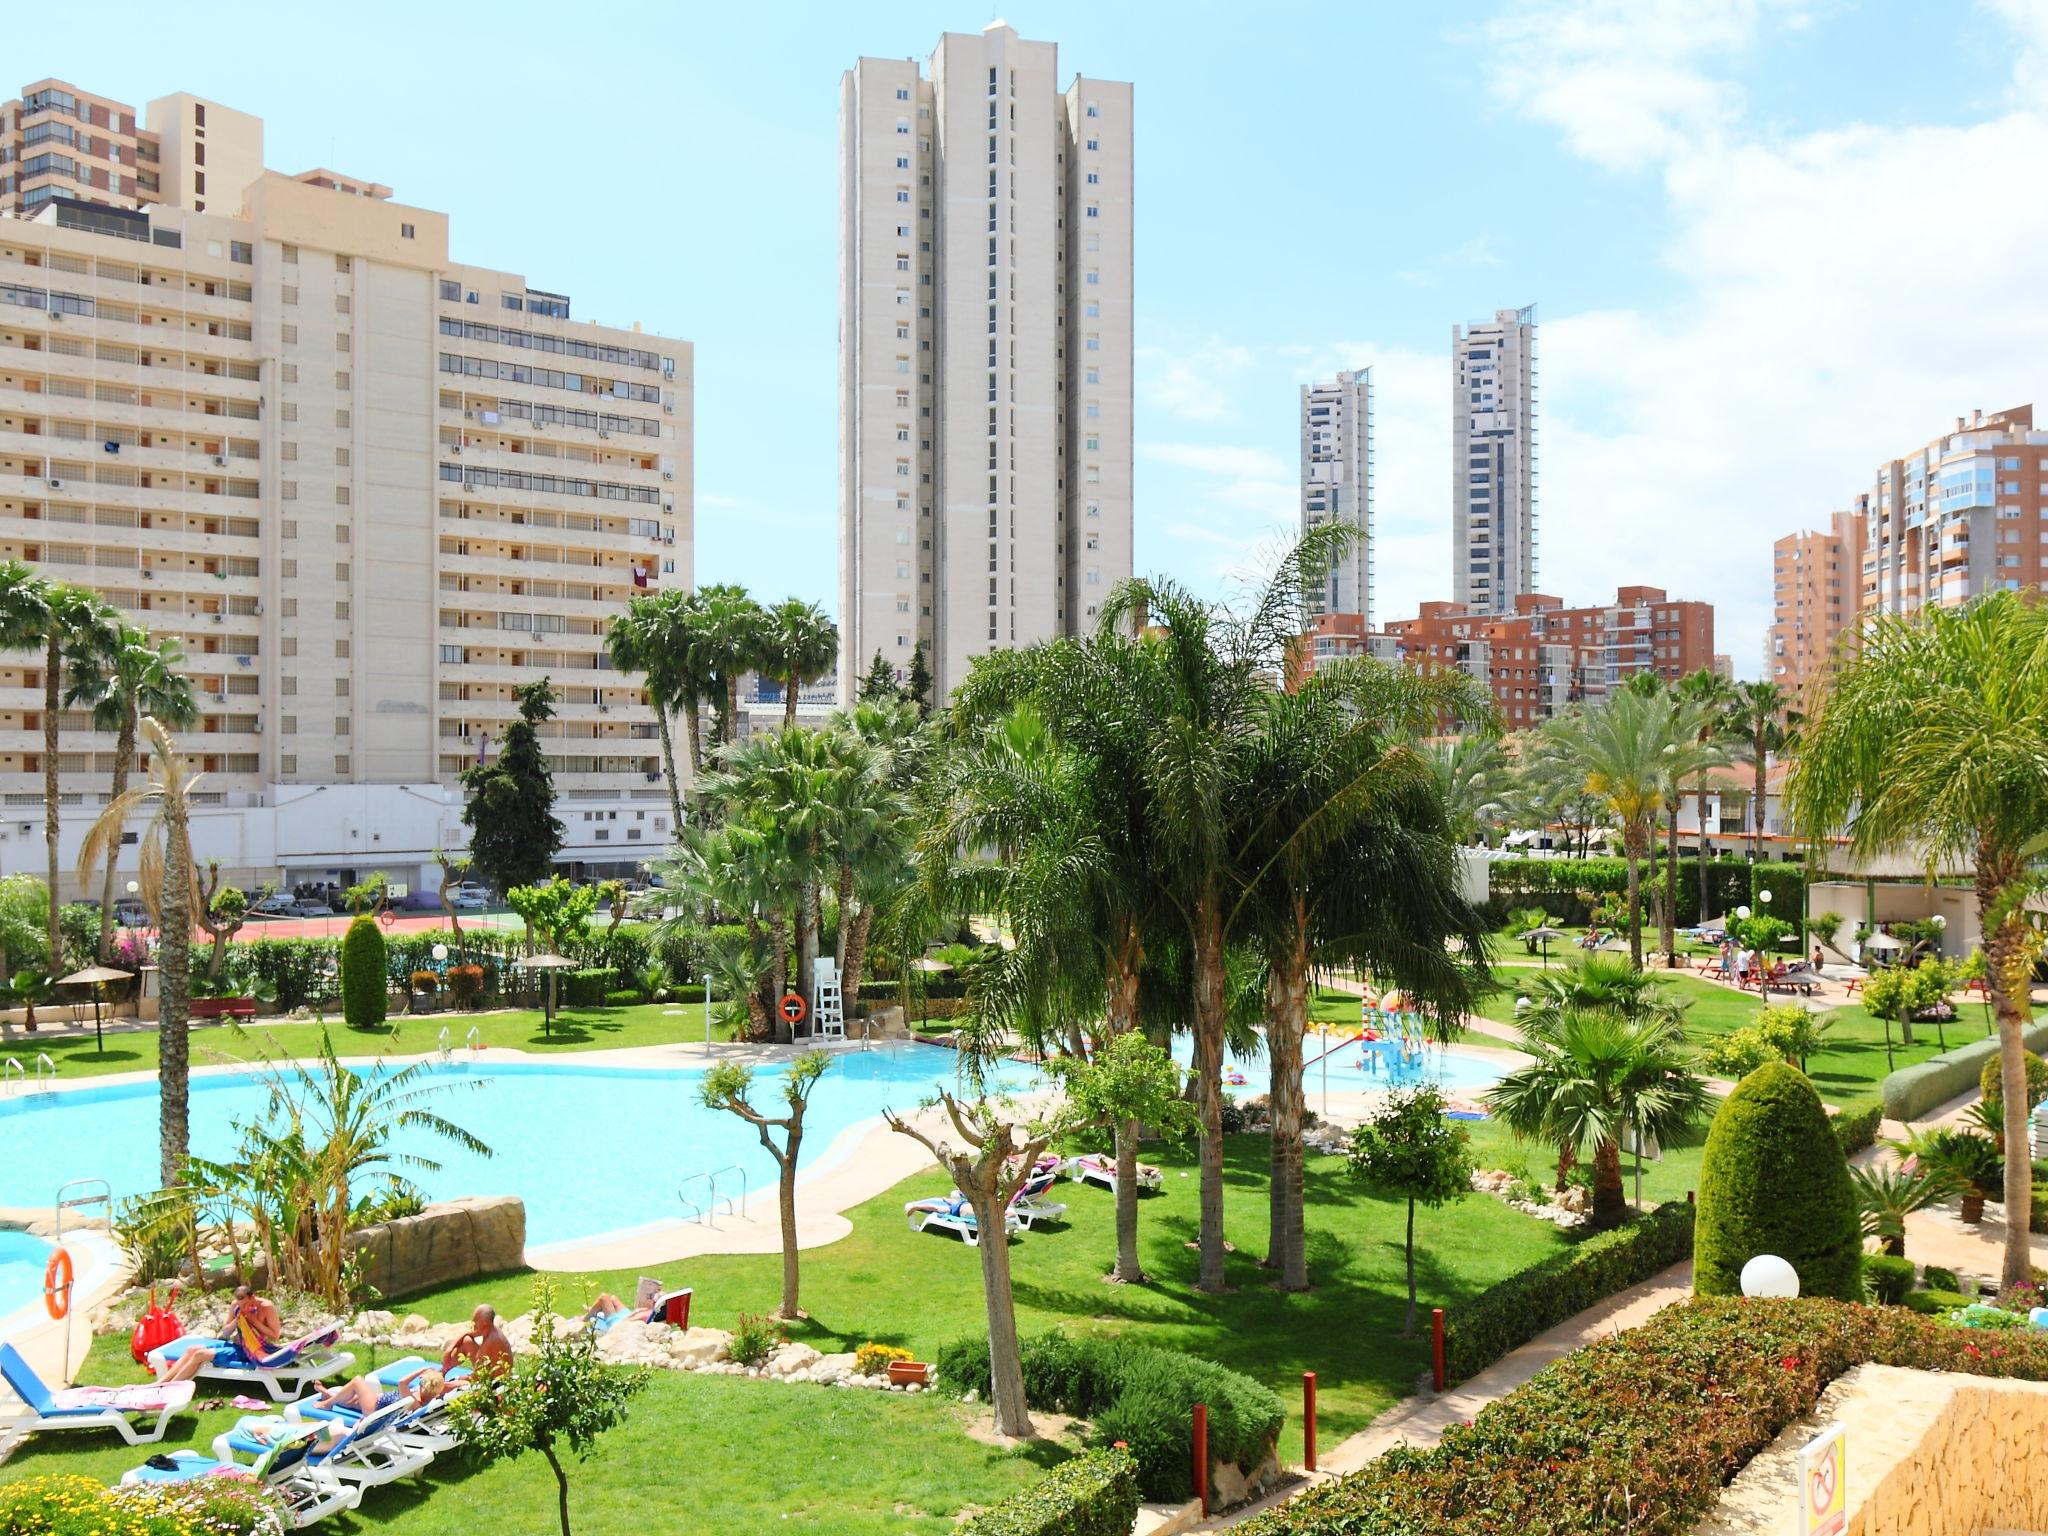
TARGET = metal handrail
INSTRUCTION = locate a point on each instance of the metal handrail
(44, 1063)
(731, 1209)
(13, 1075)
(442, 1046)
(702, 1217)
(707, 1213)
(96, 1192)
(475, 1038)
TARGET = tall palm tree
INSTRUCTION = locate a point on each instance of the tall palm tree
(635, 643)
(1932, 739)
(1713, 694)
(879, 751)
(167, 884)
(730, 632)
(1349, 857)
(1596, 1078)
(39, 614)
(1627, 751)
(1690, 751)
(800, 645)
(1472, 780)
(121, 676)
(1761, 717)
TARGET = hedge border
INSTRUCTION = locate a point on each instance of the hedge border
(1856, 1124)
(1508, 1314)
(1911, 1091)
(1095, 1494)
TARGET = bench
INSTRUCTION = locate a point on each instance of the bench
(223, 1008)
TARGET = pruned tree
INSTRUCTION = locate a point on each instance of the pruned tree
(728, 1086)
(1410, 1151)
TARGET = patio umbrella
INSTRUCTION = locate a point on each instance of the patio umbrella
(1545, 935)
(547, 962)
(926, 967)
(95, 976)
(1882, 940)
(1714, 925)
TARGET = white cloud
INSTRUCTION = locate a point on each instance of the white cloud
(1195, 384)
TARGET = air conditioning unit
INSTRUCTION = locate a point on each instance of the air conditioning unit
(221, 460)
(668, 474)
(220, 618)
(668, 407)
(56, 315)
(220, 698)
(602, 433)
(259, 725)
(258, 608)
(56, 485)
(148, 575)
(668, 506)
(455, 447)
(669, 537)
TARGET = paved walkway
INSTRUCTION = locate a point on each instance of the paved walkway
(1420, 1421)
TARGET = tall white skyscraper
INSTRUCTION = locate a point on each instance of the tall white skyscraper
(1336, 480)
(1493, 460)
(984, 353)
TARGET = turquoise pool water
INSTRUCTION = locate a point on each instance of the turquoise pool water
(21, 1270)
(590, 1149)
(1355, 1068)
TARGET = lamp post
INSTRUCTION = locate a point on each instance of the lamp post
(707, 1015)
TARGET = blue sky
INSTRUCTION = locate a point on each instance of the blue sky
(1772, 241)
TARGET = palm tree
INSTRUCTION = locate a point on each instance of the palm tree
(1599, 1077)
(729, 629)
(800, 645)
(1713, 694)
(167, 883)
(121, 676)
(1627, 751)
(879, 751)
(1690, 751)
(1762, 718)
(38, 614)
(1472, 780)
(631, 644)
(1932, 739)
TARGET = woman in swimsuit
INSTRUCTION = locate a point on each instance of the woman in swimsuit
(366, 1394)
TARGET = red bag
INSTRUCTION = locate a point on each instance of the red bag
(157, 1326)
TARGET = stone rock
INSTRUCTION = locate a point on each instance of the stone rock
(833, 1368)
(448, 1242)
(699, 1346)
(792, 1358)
(1574, 1198)
(1227, 1485)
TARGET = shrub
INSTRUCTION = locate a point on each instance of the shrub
(1886, 1278)
(962, 1367)
(466, 984)
(428, 982)
(1739, 1052)
(69, 1505)
(1507, 1315)
(1936, 1278)
(1774, 1181)
(1067, 1374)
(1671, 1409)
(1933, 1303)
(1991, 1081)
(1095, 1494)
(754, 1339)
(587, 988)
(1856, 1125)
(874, 1359)
(1234, 1117)
(365, 994)
(625, 997)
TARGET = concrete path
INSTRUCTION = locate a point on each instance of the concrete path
(1420, 1421)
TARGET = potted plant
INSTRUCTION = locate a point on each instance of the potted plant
(1968, 1158)
(426, 987)
(909, 1373)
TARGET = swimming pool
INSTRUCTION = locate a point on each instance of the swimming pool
(1353, 1068)
(22, 1259)
(590, 1149)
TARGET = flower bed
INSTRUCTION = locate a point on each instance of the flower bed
(1639, 1433)
(78, 1506)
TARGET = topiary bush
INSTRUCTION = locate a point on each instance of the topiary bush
(1856, 1125)
(1095, 1494)
(1774, 1181)
(1935, 1278)
(587, 988)
(365, 995)
(1887, 1279)
(1991, 1081)
(1935, 1303)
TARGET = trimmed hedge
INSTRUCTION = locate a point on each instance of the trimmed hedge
(1856, 1125)
(1095, 1494)
(365, 975)
(1135, 1393)
(1936, 1303)
(1774, 1180)
(1669, 1411)
(1560, 886)
(1911, 1091)
(587, 988)
(1991, 1081)
(1886, 1278)
(1505, 1316)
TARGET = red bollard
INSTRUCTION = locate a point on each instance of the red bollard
(1308, 1420)
(1202, 1455)
(1436, 1346)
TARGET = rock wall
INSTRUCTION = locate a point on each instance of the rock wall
(455, 1240)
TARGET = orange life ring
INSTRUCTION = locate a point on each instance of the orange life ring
(794, 1008)
(57, 1279)
(388, 918)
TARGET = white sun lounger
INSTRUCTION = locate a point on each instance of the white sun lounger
(956, 1219)
(125, 1410)
(1095, 1168)
(369, 1454)
(426, 1427)
(285, 1373)
(310, 1493)
(1029, 1204)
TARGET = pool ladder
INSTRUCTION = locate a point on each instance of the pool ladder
(706, 1214)
(443, 1047)
(15, 1076)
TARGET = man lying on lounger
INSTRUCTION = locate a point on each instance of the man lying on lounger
(251, 1320)
(366, 1394)
(484, 1347)
(607, 1308)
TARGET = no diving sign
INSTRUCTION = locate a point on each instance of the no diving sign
(1824, 1483)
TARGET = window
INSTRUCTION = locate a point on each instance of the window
(344, 264)
(511, 301)
(242, 251)
(1093, 179)
(452, 292)
(903, 125)
(289, 254)
(288, 334)
(902, 93)
(405, 232)
(451, 653)
(1091, 110)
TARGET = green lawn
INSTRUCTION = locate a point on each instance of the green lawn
(582, 1029)
(700, 1454)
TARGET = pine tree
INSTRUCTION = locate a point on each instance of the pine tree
(880, 685)
(919, 688)
(513, 833)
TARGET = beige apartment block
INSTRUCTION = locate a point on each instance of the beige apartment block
(985, 352)
(1814, 586)
(1958, 518)
(369, 489)
(1493, 460)
(1336, 483)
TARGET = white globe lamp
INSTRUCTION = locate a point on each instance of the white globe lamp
(1743, 913)
(1767, 1275)
(440, 951)
(1764, 897)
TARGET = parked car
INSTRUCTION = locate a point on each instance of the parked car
(130, 913)
(467, 899)
(278, 905)
(310, 909)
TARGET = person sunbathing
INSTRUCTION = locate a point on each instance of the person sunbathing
(483, 1347)
(608, 1309)
(366, 1394)
(252, 1323)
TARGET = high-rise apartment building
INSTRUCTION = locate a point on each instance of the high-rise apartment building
(1493, 460)
(1336, 481)
(985, 352)
(1958, 518)
(369, 489)
(1815, 577)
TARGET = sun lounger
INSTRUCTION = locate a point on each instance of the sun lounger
(310, 1493)
(284, 1372)
(125, 1410)
(953, 1216)
(1100, 1168)
(426, 1427)
(369, 1453)
(1029, 1204)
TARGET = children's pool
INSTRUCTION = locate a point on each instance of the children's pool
(22, 1259)
(590, 1149)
